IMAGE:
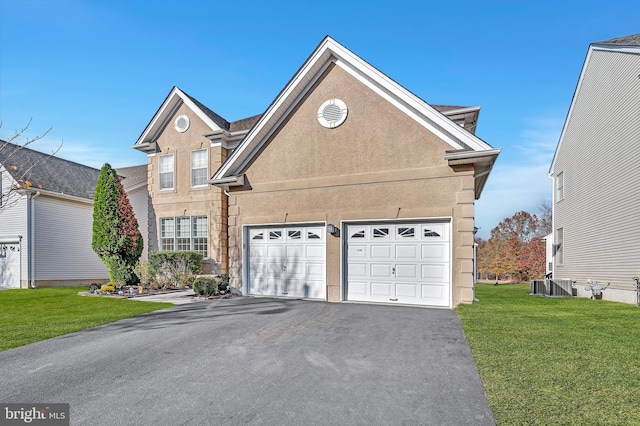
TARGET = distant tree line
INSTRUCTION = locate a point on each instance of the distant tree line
(515, 250)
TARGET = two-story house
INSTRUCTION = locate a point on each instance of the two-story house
(596, 176)
(347, 188)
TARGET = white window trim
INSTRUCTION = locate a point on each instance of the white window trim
(173, 172)
(191, 168)
(175, 238)
(560, 186)
(559, 260)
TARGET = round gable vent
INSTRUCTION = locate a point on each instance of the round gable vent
(332, 113)
(182, 123)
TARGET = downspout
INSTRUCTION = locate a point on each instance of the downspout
(32, 240)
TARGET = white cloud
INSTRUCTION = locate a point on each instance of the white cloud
(519, 180)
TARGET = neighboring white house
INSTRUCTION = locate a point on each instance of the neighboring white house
(134, 181)
(46, 229)
(596, 174)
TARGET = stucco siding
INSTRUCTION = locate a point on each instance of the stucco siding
(379, 165)
(598, 157)
(183, 199)
(63, 232)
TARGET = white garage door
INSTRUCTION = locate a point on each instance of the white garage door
(9, 264)
(399, 263)
(287, 261)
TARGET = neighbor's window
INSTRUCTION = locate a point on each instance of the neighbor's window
(559, 246)
(560, 186)
(166, 171)
(185, 233)
(199, 168)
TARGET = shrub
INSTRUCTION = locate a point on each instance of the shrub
(205, 286)
(111, 287)
(143, 272)
(223, 283)
(174, 268)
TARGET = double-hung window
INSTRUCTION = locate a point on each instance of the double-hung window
(560, 186)
(165, 171)
(184, 233)
(199, 168)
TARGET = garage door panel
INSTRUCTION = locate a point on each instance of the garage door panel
(358, 288)
(407, 252)
(315, 270)
(357, 270)
(381, 289)
(407, 271)
(357, 251)
(380, 270)
(380, 251)
(294, 251)
(435, 252)
(433, 292)
(410, 290)
(439, 273)
(314, 252)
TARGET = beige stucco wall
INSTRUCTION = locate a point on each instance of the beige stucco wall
(379, 165)
(183, 200)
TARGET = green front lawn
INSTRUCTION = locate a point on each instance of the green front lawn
(552, 361)
(28, 316)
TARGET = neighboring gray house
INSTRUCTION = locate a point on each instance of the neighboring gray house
(596, 174)
(45, 230)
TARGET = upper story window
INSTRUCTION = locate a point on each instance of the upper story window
(560, 186)
(199, 171)
(165, 171)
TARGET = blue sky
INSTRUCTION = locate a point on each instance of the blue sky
(97, 70)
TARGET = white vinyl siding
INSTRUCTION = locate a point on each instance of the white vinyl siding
(199, 172)
(63, 232)
(139, 199)
(599, 156)
(13, 223)
(166, 171)
(185, 233)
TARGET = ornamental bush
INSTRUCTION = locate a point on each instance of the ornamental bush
(205, 286)
(174, 268)
(116, 238)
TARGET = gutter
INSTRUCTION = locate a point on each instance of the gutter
(32, 239)
(227, 182)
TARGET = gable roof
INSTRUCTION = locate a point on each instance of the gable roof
(174, 100)
(331, 52)
(627, 44)
(53, 174)
(630, 40)
(133, 177)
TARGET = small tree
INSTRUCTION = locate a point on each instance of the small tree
(116, 238)
(20, 171)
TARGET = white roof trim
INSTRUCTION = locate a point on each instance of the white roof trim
(329, 51)
(173, 101)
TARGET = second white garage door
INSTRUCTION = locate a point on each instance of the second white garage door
(399, 263)
(287, 261)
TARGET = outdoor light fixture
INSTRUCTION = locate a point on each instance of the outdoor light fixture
(333, 230)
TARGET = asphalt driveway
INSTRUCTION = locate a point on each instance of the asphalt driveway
(258, 361)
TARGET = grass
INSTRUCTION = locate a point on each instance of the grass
(28, 316)
(555, 361)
